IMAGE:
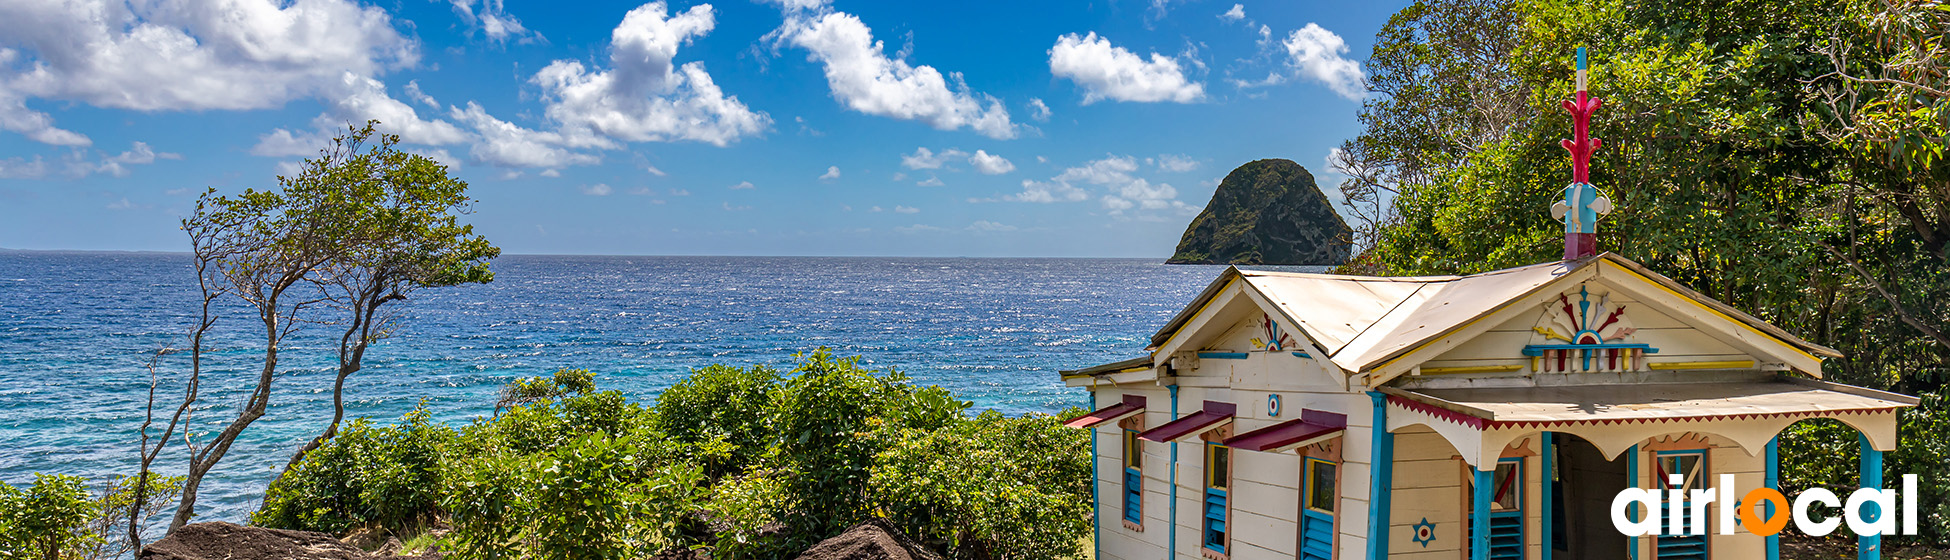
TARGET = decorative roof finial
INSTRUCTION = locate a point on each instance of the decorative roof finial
(1582, 203)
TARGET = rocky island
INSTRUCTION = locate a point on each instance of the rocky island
(1266, 212)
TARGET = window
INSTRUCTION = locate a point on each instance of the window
(1678, 542)
(1218, 479)
(1133, 479)
(1320, 485)
(1508, 493)
(1506, 511)
(1317, 521)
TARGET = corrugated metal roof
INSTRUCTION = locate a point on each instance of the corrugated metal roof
(1655, 401)
(1363, 321)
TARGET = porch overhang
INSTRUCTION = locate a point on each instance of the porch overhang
(1481, 422)
(1312, 427)
(1212, 416)
(1133, 405)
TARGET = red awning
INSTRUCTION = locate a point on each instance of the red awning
(1214, 414)
(1133, 404)
(1313, 427)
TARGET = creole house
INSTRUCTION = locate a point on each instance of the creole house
(1491, 416)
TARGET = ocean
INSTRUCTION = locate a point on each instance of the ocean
(80, 330)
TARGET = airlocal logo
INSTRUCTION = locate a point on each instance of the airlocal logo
(1863, 511)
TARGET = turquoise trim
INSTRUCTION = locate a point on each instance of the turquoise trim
(1538, 349)
(1869, 547)
(1546, 454)
(1773, 480)
(1096, 505)
(1302, 355)
(1479, 515)
(1632, 511)
(1381, 485)
(1222, 355)
(1171, 533)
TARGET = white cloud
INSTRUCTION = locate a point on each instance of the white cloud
(680, 192)
(916, 228)
(185, 55)
(139, 154)
(509, 145)
(862, 76)
(359, 98)
(1316, 54)
(1122, 190)
(597, 189)
(17, 168)
(413, 92)
(490, 19)
(924, 158)
(743, 185)
(1038, 110)
(1238, 12)
(1176, 163)
(990, 164)
(729, 208)
(931, 182)
(550, 173)
(643, 97)
(874, 209)
(832, 172)
(988, 226)
(906, 209)
(898, 177)
(1108, 72)
(801, 4)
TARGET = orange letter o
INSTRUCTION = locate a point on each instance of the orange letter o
(1752, 520)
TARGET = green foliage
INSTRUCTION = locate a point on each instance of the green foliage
(565, 382)
(722, 410)
(745, 461)
(49, 520)
(367, 476)
(991, 487)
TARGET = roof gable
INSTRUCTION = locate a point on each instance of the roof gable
(1387, 325)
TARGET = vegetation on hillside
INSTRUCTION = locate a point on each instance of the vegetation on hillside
(1785, 157)
(745, 462)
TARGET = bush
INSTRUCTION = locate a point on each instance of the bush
(48, 520)
(724, 411)
(989, 488)
(385, 477)
(566, 382)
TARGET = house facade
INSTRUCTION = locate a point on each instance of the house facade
(1492, 416)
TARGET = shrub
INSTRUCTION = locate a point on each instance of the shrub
(564, 383)
(595, 496)
(724, 411)
(384, 477)
(989, 488)
(48, 520)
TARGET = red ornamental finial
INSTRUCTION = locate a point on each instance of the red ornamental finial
(1582, 203)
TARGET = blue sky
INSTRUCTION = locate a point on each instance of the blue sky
(735, 127)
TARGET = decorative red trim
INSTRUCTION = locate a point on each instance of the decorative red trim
(1487, 424)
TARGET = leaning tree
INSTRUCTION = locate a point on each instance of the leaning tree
(362, 225)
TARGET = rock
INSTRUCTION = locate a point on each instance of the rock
(1266, 212)
(873, 540)
(227, 541)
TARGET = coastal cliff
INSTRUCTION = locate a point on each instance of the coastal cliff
(1266, 212)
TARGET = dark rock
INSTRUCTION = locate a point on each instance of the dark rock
(1266, 212)
(227, 541)
(873, 540)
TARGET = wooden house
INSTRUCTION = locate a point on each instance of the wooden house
(1491, 416)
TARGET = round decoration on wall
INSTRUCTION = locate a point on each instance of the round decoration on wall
(1273, 406)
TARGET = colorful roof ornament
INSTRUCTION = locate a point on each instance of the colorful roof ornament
(1582, 203)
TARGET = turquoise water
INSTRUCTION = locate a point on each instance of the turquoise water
(78, 329)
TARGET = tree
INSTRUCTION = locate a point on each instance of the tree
(391, 222)
(361, 226)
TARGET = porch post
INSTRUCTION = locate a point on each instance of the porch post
(1381, 484)
(1096, 504)
(1632, 511)
(1773, 481)
(1545, 454)
(1171, 533)
(1479, 514)
(1869, 547)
